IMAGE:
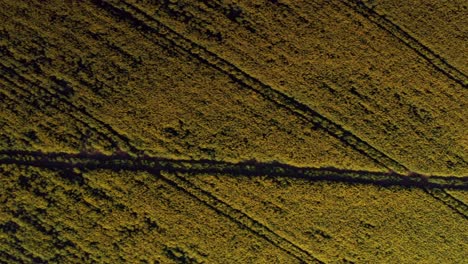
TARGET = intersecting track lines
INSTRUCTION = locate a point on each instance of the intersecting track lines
(121, 140)
(266, 91)
(155, 28)
(270, 233)
(433, 185)
(176, 172)
(152, 26)
(168, 170)
(434, 59)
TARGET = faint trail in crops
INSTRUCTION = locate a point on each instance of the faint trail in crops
(152, 26)
(6, 257)
(431, 184)
(238, 217)
(53, 104)
(74, 82)
(170, 170)
(10, 63)
(434, 59)
(286, 105)
(124, 141)
(244, 78)
(16, 247)
(266, 233)
(33, 222)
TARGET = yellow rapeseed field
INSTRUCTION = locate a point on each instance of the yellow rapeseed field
(233, 131)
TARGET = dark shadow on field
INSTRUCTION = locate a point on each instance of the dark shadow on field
(251, 168)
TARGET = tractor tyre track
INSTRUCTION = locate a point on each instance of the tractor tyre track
(438, 62)
(173, 172)
(268, 237)
(55, 105)
(450, 201)
(183, 184)
(86, 83)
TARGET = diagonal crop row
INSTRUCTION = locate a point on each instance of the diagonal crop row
(22, 96)
(439, 63)
(267, 92)
(433, 185)
(157, 31)
(64, 100)
(117, 139)
(452, 202)
(32, 220)
(434, 59)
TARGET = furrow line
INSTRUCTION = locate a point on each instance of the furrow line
(431, 185)
(434, 59)
(450, 201)
(6, 257)
(152, 26)
(26, 254)
(100, 125)
(54, 105)
(11, 249)
(238, 217)
(35, 224)
(63, 99)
